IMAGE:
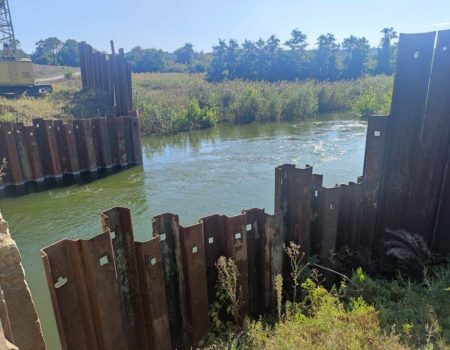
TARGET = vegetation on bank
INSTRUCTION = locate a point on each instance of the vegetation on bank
(172, 102)
(357, 313)
(164, 99)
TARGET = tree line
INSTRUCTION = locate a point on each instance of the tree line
(270, 60)
(262, 60)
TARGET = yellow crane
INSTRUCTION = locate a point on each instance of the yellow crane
(16, 75)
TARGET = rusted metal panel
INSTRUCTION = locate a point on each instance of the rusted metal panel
(70, 298)
(415, 53)
(273, 257)
(121, 141)
(355, 217)
(434, 143)
(343, 234)
(89, 144)
(317, 181)
(166, 227)
(32, 149)
(13, 171)
(102, 144)
(194, 271)
(151, 276)
(22, 152)
(329, 201)
(255, 227)
(440, 242)
(301, 216)
(73, 165)
(85, 145)
(62, 146)
(48, 130)
(236, 248)
(83, 287)
(214, 238)
(114, 141)
(373, 168)
(118, 222)
(136, 140)
(96, 141)
(104, 293)
(128, 139)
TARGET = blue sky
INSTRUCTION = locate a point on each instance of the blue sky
(168, 24)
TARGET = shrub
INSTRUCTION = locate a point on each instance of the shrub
(419, 311)
(69, 73)
(248, 106)
(323, 323)
(301, 104)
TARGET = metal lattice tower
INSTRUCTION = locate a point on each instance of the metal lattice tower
(7, 37)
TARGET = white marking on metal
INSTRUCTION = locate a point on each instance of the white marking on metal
(377, 133)
(211, 240)
(104, 260)
(162, 237)
(60, 282)
(152, 261)
(194, 250)
(237, 236)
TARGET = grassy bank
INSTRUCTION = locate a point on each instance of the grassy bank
(174, 102)
(165, 100)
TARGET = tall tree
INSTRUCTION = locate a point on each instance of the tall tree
(69, 55)
(272, 48)
(294, 62)
(384, 64)
(218, 69)
(185, 54)
(325, 59)
(232, 59)
(47, 51)
(356, 54)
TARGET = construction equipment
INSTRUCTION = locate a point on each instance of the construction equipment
(16, 75)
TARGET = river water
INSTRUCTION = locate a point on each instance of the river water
(220, 170)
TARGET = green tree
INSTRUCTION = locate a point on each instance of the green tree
(185, 54)
(47, 51)
(356, 52)
(218, 69)
(69, 55)
(325, 58)
(148, 60)
(384, 62)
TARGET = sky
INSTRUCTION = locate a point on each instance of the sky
(168, 24)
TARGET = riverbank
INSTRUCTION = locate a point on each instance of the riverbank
(172, 102)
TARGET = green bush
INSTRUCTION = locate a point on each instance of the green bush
(417, 310)
(301, 104)
(248, 107)
(322, 322)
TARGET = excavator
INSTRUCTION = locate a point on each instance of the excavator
(16, 75)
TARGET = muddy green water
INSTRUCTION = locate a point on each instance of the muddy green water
(221, 170)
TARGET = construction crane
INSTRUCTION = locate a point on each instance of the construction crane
(16, 75)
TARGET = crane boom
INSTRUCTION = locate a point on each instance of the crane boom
(7, 37)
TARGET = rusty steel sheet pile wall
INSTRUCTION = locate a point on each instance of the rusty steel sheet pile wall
(406, 180)
(415, 181)
(107, 72)
(157, 294)
(160, 290)
(52, 149)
